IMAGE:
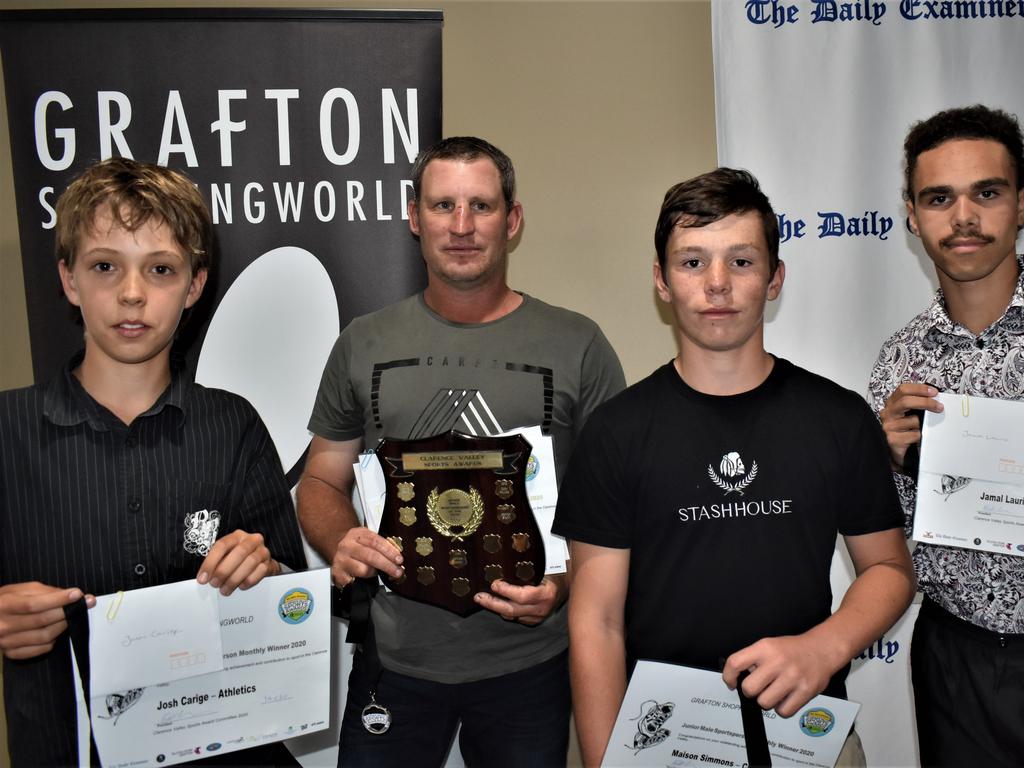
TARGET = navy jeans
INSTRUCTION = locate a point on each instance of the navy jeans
(519, 719)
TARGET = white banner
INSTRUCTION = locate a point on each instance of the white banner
(815, 98)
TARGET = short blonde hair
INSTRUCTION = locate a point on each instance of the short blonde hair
(135, 193)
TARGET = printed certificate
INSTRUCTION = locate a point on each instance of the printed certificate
(970, 486)
(680, 716)
(272, 666)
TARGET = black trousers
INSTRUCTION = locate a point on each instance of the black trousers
(968, 691)
(519, 720)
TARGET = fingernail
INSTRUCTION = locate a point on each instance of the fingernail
(203, 577)
(215, 582)
(75, 594)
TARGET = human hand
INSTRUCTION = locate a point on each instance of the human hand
(32, 617)
(238, 560)
(528, 604)
(902, 427)
(785, 672)
(361, 553)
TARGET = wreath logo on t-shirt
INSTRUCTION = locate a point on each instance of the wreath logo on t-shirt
(731, 466)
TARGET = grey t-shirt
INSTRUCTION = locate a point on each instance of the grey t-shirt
(405, 372)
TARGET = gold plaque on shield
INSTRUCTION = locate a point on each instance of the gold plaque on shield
(492, 543)
(503, 489)
(425, 574)
(405, 491)
(492, 572)
(407, 515)
(455, 513)
(424, 545)
(520, 542)
(457, 558)
(524, 570)
(506, 513)
(460, 586)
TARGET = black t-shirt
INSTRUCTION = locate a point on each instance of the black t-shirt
(730, 506)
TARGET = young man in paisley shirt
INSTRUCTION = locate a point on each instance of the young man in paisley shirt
(965, 200)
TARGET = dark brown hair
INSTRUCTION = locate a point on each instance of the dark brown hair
(713, 196)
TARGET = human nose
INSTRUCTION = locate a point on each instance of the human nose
(133, 289)
(717, 278)
(462, 221)
(965, 215)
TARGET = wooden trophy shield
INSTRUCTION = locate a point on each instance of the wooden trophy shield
(456, 506)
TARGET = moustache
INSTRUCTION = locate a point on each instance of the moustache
(972, 234)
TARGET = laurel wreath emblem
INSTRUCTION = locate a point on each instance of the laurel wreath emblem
(736, 487)
(444, 527)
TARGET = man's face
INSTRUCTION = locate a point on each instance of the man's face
(716, 279)
(966, 208)
(463, 223)
(131, 287)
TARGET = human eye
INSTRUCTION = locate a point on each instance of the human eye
(163, 270)
(691, 263)
(103, 267)
(988, 194)
(743, 261)
(443, 205)
(936, 199)
(480, 206)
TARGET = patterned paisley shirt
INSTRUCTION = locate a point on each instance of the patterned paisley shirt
(984, 588)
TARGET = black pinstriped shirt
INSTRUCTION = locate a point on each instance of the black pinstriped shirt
(88, 502)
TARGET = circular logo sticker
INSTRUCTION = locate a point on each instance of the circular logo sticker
(295, 606)
(817, 722)
(532, 468)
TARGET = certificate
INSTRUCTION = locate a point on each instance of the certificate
(970, 487)
(680, 716)
(271, 662)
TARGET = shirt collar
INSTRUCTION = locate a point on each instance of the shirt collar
(942, 326)
(67, 404)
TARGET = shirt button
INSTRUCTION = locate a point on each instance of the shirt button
(980, 343)
(130, 442)
(140, 569)
(134, 505)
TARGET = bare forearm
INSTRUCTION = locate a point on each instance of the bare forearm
(325, 514)
(597, 662)
(873, 603)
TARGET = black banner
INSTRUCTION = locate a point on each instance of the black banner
(299, 127)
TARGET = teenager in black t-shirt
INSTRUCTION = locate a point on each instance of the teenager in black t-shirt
(703, 502)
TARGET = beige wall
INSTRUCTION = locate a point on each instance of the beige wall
(601, 105)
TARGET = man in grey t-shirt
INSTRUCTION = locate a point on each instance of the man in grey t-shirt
(472, 354)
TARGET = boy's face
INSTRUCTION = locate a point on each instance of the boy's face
(716, 278)
(132, 288)
(966, 208)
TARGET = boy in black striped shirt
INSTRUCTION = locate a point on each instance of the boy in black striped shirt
(122, 473)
